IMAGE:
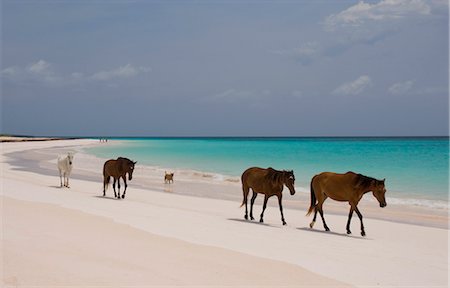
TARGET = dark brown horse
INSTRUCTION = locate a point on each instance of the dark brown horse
(268, 182)
(117, 169)
(344, 187)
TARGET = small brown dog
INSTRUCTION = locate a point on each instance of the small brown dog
(168, 177)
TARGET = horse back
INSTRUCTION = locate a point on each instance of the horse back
(63, 164)
(339, 187)
(256, 178)
(253, 174)
(109, 168)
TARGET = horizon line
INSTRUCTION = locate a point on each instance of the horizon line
(228, 136)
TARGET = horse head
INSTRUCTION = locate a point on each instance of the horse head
(379, 191)
(131, 169)
(70, 157)
(289, 180)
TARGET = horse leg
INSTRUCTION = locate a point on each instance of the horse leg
(60, 178)
(252, 201)
(68, 175)
(114, 187)
(316, 195)
(281, 209)
(311, 225)
(65, 179)
(319, 207)
(264, 208)
(124, 181)
(118, 188)
(363, 233)
(104, 185)
(245, 190)
(350, 214)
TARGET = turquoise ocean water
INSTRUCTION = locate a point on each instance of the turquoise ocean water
(416, 169)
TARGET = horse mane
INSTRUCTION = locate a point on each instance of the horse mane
(124, 159)
(275, 176)
(364, 181)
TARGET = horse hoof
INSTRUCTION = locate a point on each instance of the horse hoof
(327, 229)
(246, 217)
(363, 233)
(261, 220)
(284, 223)
(123, 196)
(349, 232)
(251, 218)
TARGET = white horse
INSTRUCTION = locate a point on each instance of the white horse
(65, 167)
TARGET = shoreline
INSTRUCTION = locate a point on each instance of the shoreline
(32, 182)
(217, 186)
(9, 139)
(399, 196)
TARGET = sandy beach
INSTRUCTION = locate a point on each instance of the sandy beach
(192, 232)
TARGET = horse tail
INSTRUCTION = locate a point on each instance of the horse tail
(106, 178)
(106, 181)
(245, 190)
(243, 200)
(313, 198)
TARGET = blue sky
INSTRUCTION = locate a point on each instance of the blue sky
(225, 68)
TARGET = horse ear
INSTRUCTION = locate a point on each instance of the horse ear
(384, 180)
(135, 162)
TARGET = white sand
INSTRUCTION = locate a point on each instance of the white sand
(59, 236)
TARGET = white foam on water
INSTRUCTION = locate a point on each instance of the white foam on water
(192, 175)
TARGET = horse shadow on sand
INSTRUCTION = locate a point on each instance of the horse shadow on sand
(307, 229)
(252, 222)
(105, 197)
(57, 186)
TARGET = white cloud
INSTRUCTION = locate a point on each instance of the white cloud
(362, 12)
(306, 49)
(305, 53)
(40, 67)
(401, 87)
(354, 87)
(12, 71)
(42, 72)
(126, 71)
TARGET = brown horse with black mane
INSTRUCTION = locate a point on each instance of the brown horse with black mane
(117, 169)
(268, 182)
(344, 187)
